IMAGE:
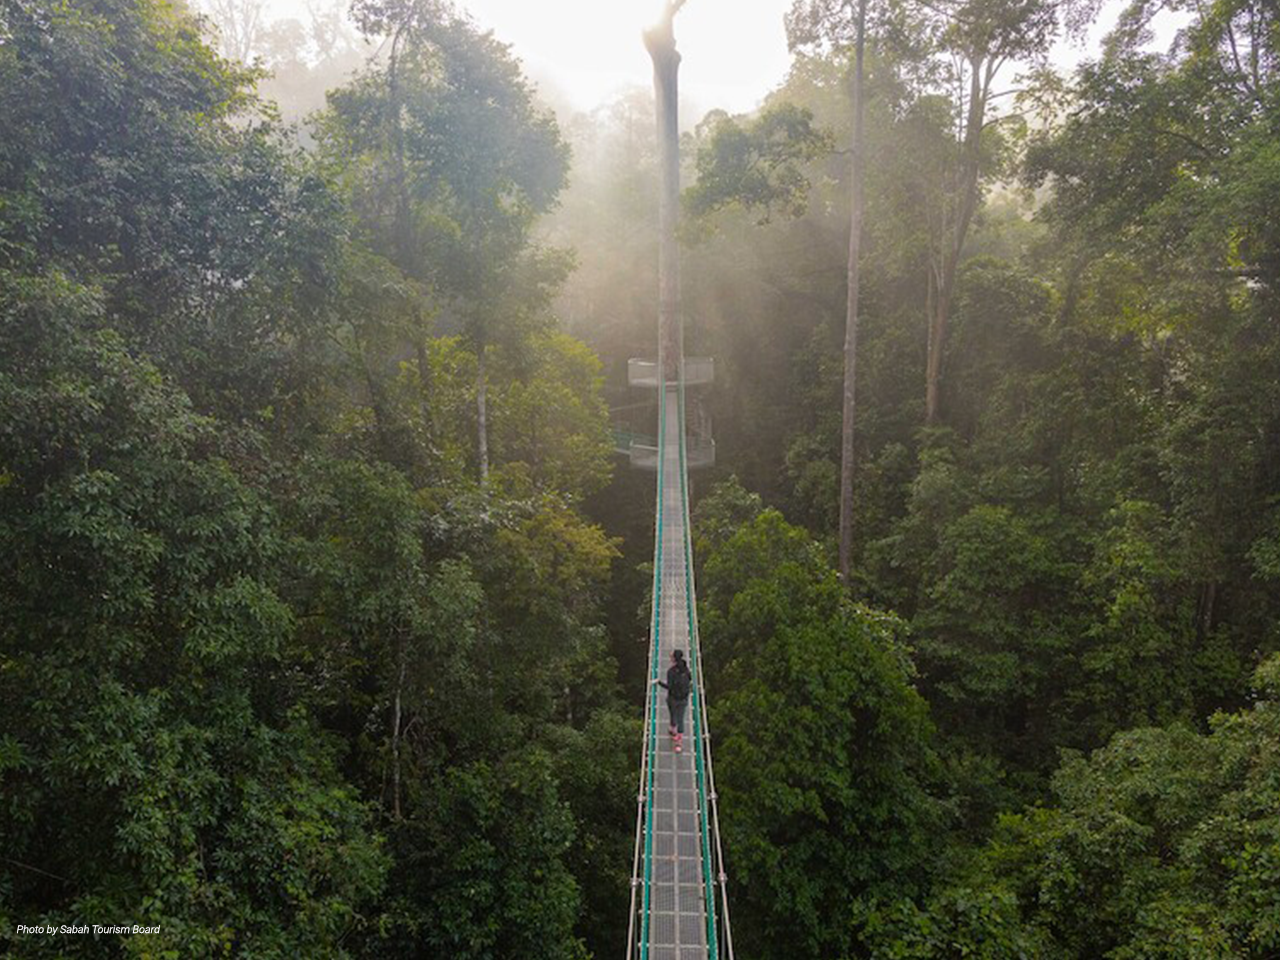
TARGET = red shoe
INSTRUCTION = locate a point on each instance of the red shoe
(679, 737)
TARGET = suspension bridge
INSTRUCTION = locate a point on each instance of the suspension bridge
(679, 910)
(678, 906)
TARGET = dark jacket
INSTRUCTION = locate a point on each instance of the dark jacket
(679, 680)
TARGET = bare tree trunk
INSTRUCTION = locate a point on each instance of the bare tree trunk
(401, 199)
(401, 225)
(856, 200)
(482, 414)
(395, 736)
(938, 316)
(661, 44)
(424, 382)
(952, 239)
(383, 421)
(238, 24)
(1210, 596)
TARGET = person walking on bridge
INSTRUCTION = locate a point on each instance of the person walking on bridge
(679, 683)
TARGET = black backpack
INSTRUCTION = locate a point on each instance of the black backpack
(678, 683)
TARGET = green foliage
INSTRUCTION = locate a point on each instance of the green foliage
(554, 422)
(155, 771)
(548, 423)
(720, 513)
(448, 161)
(987, 648)
(597, 768)
(1161, 844)
(823, 752)
(956, 922)
(1164, 843)
(278, 675)
(482, 870)
(274, 675)
(134, 159)
(1265, 551)
(757, 163)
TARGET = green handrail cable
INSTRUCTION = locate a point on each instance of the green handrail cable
(696, 658)
(654, 658)
(725, 929)
(701, 733)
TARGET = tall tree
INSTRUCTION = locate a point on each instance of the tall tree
(240, 27)
(660, 41)
(976, 40)
(450, 162)
(844, 21)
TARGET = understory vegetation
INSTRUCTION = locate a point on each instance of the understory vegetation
(321, 587)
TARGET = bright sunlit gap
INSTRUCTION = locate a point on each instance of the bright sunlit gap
(583, 52)
(588, 49)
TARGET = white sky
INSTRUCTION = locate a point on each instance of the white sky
(734, 51)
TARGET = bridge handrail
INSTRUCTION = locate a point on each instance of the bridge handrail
(707, 790)
(649, 748)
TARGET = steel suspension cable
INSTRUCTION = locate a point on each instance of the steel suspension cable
(707, 792)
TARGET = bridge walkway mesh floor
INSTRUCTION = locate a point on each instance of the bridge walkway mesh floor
(678, 896)
(678, 907)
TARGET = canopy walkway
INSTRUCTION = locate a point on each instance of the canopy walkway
(678, 905)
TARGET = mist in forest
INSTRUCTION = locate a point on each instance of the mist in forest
(326, 583)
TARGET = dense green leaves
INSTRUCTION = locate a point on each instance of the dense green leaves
(135, 160)
(275, 676)
(822, 744)
(1162, 844)
(154, 770)
(758, 164)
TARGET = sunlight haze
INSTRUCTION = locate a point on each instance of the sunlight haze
(582, 53)
(734, 53)
(585, 51)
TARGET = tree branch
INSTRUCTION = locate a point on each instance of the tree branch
(1002, 118)
(1190, 141)
(27, 866)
